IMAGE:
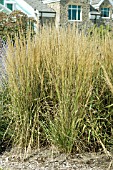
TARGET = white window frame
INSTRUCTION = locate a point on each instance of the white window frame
(103, 9)
(10, 2)
(76, 12)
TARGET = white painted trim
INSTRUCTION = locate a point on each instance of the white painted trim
(98, 5)
(24, 5)
(92, 17)
(101, 2)
(10, 2)
(6, 1)
(105, 17)
(47, 15)
(50, 1)
(111, 2)
(26, 8)
(3, 7)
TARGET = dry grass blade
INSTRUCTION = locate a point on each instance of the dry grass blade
(57, 89)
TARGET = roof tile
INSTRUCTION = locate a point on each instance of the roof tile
(37, 4)
(94, 2)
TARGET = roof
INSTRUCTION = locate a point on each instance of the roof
(95, 2)
(92, 8)
(4, 9)
(37, 4)
(93, 11)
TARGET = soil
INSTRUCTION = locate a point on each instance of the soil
(51, 159)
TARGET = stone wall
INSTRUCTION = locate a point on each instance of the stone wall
(107, 21)
(64, 11)
(61, 9)
(56, 7)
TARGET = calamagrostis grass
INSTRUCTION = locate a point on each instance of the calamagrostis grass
(58, 90)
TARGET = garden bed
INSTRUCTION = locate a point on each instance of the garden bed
(51, 159)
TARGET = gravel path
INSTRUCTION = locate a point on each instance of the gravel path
(48, 159)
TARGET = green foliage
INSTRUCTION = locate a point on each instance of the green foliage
(15, 23)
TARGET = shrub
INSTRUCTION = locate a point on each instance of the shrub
(15, 23)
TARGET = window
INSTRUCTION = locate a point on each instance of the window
(105, 12)
(10, 6)
(2, 2)
(74, 13)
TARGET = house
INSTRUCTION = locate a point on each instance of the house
(43, 12)
(10, 5)
(82, 12)
(64, 12)
(105, 8)
(33, 8)
(4, 9)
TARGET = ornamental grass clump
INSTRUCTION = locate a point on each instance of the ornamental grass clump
(58, 92)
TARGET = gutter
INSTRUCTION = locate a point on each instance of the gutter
(49, 14)
(45, 12)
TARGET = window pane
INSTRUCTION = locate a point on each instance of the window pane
(106, 9)
(74, 12)
(69, 14)
(74, 6)
(105, 12)
(2, 2)
(74, 15)
(79, 7)
(78, 15)
(10, 6)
